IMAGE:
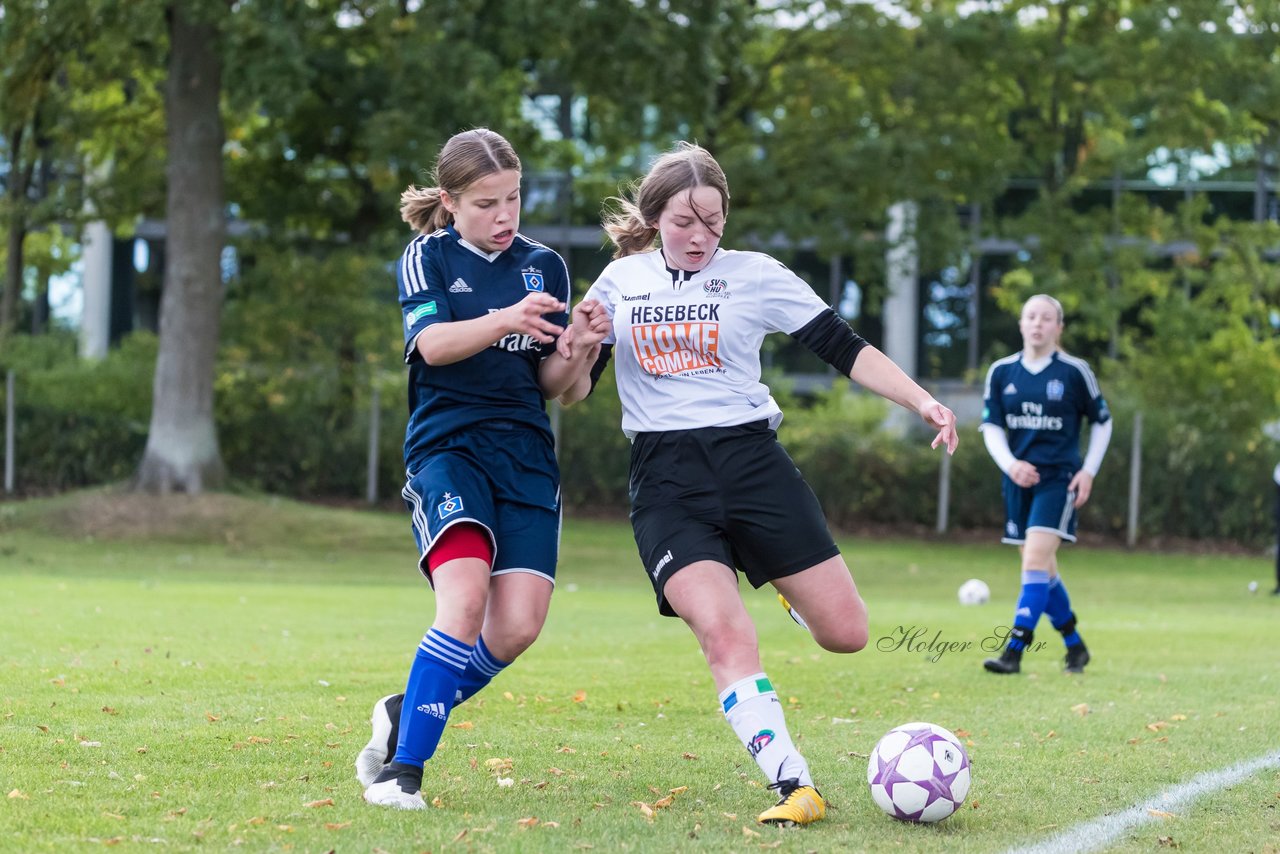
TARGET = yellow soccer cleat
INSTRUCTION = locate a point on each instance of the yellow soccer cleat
(792, 611)
(799, 805)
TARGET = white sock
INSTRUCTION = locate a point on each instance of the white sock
(753, 710)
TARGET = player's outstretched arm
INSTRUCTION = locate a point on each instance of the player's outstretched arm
(446, 343)
(876, 372)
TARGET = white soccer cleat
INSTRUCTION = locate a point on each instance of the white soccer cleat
(382, 744)
(391, 793)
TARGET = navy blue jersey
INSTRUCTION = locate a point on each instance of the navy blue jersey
(1041, 412)
(442, 278)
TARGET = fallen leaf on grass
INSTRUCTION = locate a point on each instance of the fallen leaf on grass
(16, 794)
(963, 733)
(689, 756)
(1166, 842)
(679, 790)
(749, 833)
(566, 749)
(463, 725)
(526, 823)
(256, 820)
(213, 719)
(336, 825)
(663, 803)
(324, 802)
(1160, 813)
(644, 808)
(109, 710)
(556, 771)
(579, 696)
(42, 727)
(1178, 718)
(1081, 709)
(1157, 726)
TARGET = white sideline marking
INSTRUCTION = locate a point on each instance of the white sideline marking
(1092, 835)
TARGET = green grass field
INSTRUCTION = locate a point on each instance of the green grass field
(197, 675)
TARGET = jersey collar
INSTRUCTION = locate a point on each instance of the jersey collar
(471, 247)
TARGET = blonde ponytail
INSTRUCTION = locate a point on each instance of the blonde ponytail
(422, 209)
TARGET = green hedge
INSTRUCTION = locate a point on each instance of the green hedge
(303, 432)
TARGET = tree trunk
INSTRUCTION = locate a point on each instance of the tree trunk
(182, 445)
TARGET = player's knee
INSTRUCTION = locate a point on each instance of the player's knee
(848, 634)
(516, 639)
(723, 642)
(848, 639)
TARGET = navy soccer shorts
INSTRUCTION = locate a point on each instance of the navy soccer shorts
(1047, 506)
(727, 494)
(502, 477)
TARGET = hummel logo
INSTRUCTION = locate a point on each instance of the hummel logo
(1011, 389)
(459, 287)
(436, 710)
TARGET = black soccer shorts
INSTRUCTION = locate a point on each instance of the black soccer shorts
(727, 494)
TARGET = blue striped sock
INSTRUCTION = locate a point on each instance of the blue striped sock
(1059, 609)
(429, 695)
(481, 668)
(1035, 593)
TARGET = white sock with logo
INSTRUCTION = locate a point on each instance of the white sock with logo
(753, 710)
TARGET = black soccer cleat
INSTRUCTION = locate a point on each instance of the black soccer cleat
(1010, 661)
(1077, 657)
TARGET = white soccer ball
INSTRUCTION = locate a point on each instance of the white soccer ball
(974, 592)
(919, 772)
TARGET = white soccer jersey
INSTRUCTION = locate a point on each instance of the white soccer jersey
(687, 353)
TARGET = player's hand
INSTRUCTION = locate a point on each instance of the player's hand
(1082, 486)
(1024, 474)
(590, 325)
(526, 317)
(943, 420)
(592, 322)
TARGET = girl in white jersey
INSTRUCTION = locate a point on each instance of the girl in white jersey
(712, 491)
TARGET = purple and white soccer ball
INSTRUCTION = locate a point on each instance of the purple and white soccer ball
(919, 772)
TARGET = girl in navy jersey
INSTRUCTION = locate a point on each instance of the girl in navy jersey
(482, 308)
(712, 491)
(1034, 402)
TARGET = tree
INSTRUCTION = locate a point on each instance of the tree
(182, 443)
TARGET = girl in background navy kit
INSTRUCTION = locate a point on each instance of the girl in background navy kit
(1034, 402)
(482, 307)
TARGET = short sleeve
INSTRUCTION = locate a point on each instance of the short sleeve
(423, 299)
(787, 301)
(605, 292)
(992, 401)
